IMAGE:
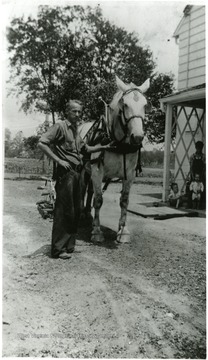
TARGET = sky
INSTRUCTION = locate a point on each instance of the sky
(153, 21)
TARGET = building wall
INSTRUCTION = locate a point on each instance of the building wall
(191, 72)
(192, 55)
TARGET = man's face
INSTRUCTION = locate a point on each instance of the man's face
(73, 112)
(198, 149)
(175, 189)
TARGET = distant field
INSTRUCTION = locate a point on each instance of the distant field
(27, 166)
(32, 168)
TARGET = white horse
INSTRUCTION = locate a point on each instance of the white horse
(124, 125)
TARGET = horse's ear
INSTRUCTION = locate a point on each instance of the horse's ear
(145, 86)
(120, 84)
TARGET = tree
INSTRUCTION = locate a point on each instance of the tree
(73, 52)
(7, 142)
(18, 144)
(66, 51)
(161, 86)
(47, 56)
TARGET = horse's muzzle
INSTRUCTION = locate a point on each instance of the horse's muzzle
(136, 139)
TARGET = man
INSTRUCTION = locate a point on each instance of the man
(197, 162)
(198, 166)
(67, 146)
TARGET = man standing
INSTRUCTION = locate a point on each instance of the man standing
(67, 146)
(198, 167)
(66, 153)
(198, 162)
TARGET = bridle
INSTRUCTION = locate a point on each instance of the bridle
(124, 124)
(123, 109)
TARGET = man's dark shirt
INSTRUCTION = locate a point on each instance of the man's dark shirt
(67, 145)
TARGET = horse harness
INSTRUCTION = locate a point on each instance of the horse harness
(104, 134)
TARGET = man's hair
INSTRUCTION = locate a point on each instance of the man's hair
(73, 101)
(199, 145)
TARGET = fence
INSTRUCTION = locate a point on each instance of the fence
(23, 167)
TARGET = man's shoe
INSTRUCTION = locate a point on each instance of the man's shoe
(64, 256)
(69, 251)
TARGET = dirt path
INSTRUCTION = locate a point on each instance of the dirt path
(140, 300)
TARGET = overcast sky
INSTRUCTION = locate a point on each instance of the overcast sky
(153, 21)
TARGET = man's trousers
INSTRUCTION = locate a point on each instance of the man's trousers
(66, 213)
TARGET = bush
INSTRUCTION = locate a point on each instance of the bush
(155, 158)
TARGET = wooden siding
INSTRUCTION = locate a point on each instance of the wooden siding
(190, 74)
(191, 82)
(192, 40)
(199, 45)
(199, 29)
(192, 65)
(192, 51)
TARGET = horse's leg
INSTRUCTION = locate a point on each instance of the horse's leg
(123, 235)
(97, 176)
(89, 200)
(105, 186)
(84, 180)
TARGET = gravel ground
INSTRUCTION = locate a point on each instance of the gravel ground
(145, 299)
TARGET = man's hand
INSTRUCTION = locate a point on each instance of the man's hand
(64, 164)
(109, 146)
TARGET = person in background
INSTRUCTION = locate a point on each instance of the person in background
(198, 162)
(198, 166)
(196, 188)
(174, 197)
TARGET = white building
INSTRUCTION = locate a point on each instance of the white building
(189, 100)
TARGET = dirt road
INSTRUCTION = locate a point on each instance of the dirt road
(145, 299)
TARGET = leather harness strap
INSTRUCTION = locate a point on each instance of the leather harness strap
(126, 148)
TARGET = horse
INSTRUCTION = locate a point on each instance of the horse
(123, 128)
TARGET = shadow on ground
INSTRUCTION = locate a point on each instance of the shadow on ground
(84, 236)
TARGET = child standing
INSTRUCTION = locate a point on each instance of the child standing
(197, 188)
(174, 196)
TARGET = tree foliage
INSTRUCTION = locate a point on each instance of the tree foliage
(13, 147)
(74, 52)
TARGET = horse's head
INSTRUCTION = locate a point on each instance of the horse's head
(130, 104)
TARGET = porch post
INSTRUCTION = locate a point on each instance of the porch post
(167, 149)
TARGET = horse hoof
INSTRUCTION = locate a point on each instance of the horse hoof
(123, 236)
(97, 236)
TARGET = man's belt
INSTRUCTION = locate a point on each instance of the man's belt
(61, 171)
(76, 167)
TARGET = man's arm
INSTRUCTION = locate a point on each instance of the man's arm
(46, 149)
(98, 147)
